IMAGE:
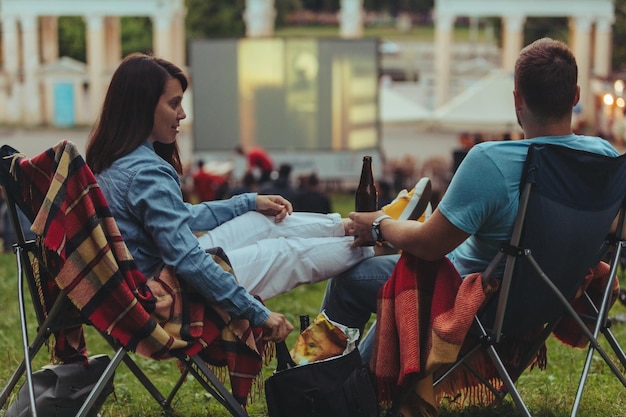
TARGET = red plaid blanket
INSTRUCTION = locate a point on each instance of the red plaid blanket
(85, 252)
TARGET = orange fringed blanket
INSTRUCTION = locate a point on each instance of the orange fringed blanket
(425, 312)
(87, 256)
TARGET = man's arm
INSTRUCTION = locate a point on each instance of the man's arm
(430, 240)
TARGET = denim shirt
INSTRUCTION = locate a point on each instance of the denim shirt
(144, 195)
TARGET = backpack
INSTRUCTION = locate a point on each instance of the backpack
(60, 390)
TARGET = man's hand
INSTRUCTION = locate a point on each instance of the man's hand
(274, 205)
(360, 226)
(276, 328)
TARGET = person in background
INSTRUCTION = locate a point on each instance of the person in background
(281, 185)
(248, 185)
(257, 159)
(205, 184)
(311, 198)
(385, 195)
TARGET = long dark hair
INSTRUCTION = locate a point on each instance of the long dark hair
(127, 116)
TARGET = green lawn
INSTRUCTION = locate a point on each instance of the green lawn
(548, 393)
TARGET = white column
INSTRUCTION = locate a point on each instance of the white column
(113, 41)
(162, 36)
(96, 47)
(602, 48)
(513, 40)
(31, 102)
(10, 109)
(443, 51)
(49, 39)
(179, 44)
(351, 19)
(259, 17)
(581, 47)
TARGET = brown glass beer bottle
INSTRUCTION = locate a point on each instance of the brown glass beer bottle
(366, 198)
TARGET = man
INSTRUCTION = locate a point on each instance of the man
(475, 215)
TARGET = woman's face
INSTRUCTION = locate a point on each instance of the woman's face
(168, 113)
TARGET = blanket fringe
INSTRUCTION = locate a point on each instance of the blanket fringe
(463, 388)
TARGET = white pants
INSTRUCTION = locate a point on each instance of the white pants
(271, 258)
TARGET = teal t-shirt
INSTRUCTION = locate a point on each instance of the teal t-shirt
(482, 198)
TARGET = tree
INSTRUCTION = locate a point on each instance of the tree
(136, 34)
(539, 27)
(72, 37)
(619, 31)
(215, 18)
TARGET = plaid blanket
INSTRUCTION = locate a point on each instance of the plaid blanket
(425, 312)
(85, 252)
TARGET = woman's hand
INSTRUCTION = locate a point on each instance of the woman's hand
(273, 205)
(276, 328)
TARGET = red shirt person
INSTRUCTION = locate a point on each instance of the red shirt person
(258, 159)
(205, 184)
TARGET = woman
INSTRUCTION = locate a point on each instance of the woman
(134, 154)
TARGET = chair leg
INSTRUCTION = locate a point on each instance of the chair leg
(147, 384)
(101, 384)
(593, 347)
(177, 386)
(199, 369)
(615, 346)
(24, 328)
(508, 382)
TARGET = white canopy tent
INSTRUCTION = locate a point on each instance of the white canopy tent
(486, 106)
(398, 108)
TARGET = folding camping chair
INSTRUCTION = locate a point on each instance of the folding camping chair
(59, 314)
(568, 202)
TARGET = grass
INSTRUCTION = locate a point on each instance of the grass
(548, 393)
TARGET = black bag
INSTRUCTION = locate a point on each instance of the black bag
(339, 387)
(60, 390)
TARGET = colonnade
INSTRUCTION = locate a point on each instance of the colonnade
(30, 41)
(590, 37)
(29, 33)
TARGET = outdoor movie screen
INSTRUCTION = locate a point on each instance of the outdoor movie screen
(287, 94)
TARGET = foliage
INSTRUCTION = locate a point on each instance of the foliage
(215, 18)
(284, 7)
(391, 6)
(539, 27)
(395, 6)
(72, 37)
(619, 32)
(136, 34)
